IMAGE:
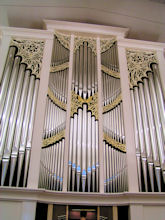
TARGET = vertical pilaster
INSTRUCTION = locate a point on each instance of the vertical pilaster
(34, 167)
(135, 212)
(4, 47)
(161, 61)
(128, 122)
(65, 173)
(100, 109)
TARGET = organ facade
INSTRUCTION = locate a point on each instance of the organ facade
(82, 120)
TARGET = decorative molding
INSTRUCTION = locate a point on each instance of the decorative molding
(139, 63)
(112, 105)
(64, 39)
(77, 102)
(114, 143)
(49, 141)
(79, 42)
(31, 52)
(56, 100)
(105, 44)
(110, 72)
(60, 67)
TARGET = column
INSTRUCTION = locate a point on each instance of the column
(128, 122)
(34, 167)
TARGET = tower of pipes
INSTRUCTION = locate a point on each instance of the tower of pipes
(18, 96)
(52, 155)
(83, 167)
(115, 170)
(149, 119)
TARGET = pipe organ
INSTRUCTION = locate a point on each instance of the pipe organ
(52, 155)
(149, 113)
(84, 132)
(83, 171)
(115, 179)
(18, 96)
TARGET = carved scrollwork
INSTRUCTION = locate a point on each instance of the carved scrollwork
(64, 39)
(31, 52)
(77, 102)
(78, 41)
(139, 62)
(110, 72)
(63, 66)
(56, 100)
(105, 44)
(48, 141)
(114, 143)
(113, 104)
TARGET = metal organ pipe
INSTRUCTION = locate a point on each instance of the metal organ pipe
(151, 108)
(16, 122)
(114, 139)
(52, 154)
(83, 151)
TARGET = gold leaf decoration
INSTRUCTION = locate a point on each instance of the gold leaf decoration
(139, 62)
(77, 102)
(48, 141)
(105, 44)
(78, 41)
(110, 72)
(113, 104)
(56, 100)
(31, 52)
(64, 39)
(114, 143)
(60, 67)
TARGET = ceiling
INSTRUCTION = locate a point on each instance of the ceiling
(145, 18)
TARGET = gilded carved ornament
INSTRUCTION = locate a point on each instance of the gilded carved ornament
(49, 141)
(110, 72)
(78, 41)
(56, 100)
(77, 102)
(60, 67)
(64, 39)
(139, 63)
(31, 52)
(105, 44)
(112, 105)
(114, 143)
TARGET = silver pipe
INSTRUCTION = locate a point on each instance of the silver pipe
(80, 89)
(97, 156)
(159, 93)
(70, 152)
(141, 137)
(84, 146)
(8, 105)
(89, 153)
(79, 147)
(89, 72)
(30, 130)
(25, 127)
(105, 173)
(6, 78)
(62, 164)
(12, 122)
(107, 167)
(85, 68)
(59, 165)
(93, 153)
(157, 122)
(18, 127)
(74, 150)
